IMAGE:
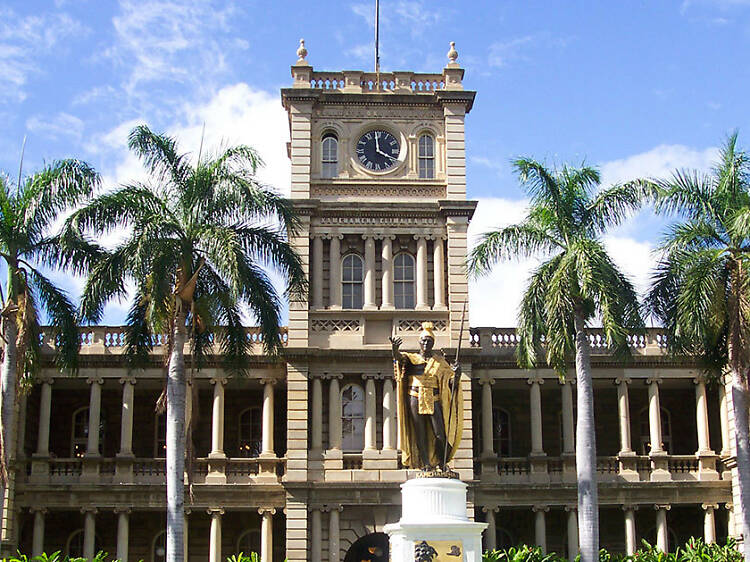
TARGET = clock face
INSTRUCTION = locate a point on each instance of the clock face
(378, 150)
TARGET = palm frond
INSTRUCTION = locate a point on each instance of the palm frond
(518, 241)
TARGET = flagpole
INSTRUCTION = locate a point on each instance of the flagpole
(377, 42)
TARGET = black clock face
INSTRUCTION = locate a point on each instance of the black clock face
(378, 150)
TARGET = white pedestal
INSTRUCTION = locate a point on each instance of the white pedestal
(434, 512)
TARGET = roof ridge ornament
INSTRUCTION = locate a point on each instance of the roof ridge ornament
(453, 53)
(301, 52)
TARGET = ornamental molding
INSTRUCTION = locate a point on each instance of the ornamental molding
(422, 112)
(421, 192)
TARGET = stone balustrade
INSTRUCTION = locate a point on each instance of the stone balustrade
(365, 82)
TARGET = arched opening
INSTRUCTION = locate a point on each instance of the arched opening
(330, 156)
(370, 548)
(352, 418)
(159, 547)
(403, 281)
(74, 544)
(352, 279)
(666, 431)
(250, 432)
(249, 542)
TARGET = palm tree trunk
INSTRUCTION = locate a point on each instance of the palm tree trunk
(588, 501)
(742, 443)
(176, 389)
(8, 376)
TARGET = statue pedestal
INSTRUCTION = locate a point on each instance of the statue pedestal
(434, 526)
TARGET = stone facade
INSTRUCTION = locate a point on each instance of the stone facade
(300, 459)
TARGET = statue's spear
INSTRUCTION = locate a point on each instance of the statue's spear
(456, 383)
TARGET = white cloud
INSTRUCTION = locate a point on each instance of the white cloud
(659, 162)
(24, 40)
(59, 125)
(503, 53)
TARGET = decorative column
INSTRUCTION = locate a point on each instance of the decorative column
(630, 533)
(537, 456)
(95, 408)
(540, 527)
(123, 532)
(334, 414)
(387, 276)
(316, 441)
(568, 423)
(572, 531)
(334, 550)
(40, 459)
(662, 535)
(266, 533)
(317, 272)
(369, 279)
(628, 469)
(490, 535)
(709, 522)
(421, 272)
(124, 466)
(370, 413)
(214, 545)
(89, 532)
(706, 456)
(731, 528)
(489, 455)
(724, 417)
(217, 458)
(438, 262)
(389, 415)
(659, 465)
(316, 535)
(37, 541)
(268, 408)
(334, 287)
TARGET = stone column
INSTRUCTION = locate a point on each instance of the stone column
(214, 545)
(662, 535)
(438, 260)
(186, 535)
(45, 410)
(572, 531)
(334, 414)
(334, 287)
(421, 272)
(654, 415)
(89, 532)
(95, 408)
(317, 272)
(724, 416)
(126, 417)
(334, 550)
(37, 541)
(540, 527)
(316, 440)
(316, 535)
(709, 522)
(568, 423)
(217, 418)
(369, 279)
(631, 539)
(389, 415)
(623, 412)
(701, 417)
(370, 413)
(266, 533)
(490, 535)
(387, 275)
(267, 448)
(488, 441)
(123, 532)
(535, 404)
(731, 528)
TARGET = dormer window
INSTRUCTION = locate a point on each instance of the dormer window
(329, 156)
(426, 157)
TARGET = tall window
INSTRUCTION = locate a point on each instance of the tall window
(74, 546)
(251, 428)
(159, 547)
(351, 278)
(501, 431)
(426, 157)
(403, 281)
(249, 541)
(330, 156)
(666, 431)
(80, 434)
(160, 437)
(352, 418)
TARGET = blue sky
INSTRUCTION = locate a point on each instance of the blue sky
(637, 87)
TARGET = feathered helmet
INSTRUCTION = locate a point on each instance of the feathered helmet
(427, 330)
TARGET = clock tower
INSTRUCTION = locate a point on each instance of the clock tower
(379, 181)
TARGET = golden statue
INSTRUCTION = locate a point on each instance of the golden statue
(429, 414)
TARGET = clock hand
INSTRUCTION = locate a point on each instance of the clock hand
(377, 146)
(384, 154)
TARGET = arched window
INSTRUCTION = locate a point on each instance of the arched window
(666, 431)
(403, 281)
(352, 418)
(501, 431)
(74, 545)
(329, 156)
(79, 437)
(503, 538)
(426, 157)
(251, 432)
(351, 279)
(249, 541)
(159, 547)
(160, 436)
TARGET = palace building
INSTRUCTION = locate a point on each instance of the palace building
(300, 459)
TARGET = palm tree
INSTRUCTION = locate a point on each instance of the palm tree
(199, 235)
(577, 284)
(30, 208)
(700, 289)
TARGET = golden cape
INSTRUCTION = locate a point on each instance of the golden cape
(436, 366)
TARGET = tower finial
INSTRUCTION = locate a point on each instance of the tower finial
(453, 53)
(301, 51)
